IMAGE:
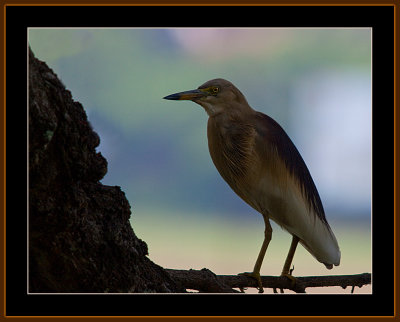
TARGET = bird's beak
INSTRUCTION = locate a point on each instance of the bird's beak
(188, 95)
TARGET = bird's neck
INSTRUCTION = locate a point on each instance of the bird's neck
(235, 108)
(224, 117)
(212, 110)
(224, 113)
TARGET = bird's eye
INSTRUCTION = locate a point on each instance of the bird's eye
(215, 90)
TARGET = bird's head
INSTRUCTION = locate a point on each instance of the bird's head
(216, 96)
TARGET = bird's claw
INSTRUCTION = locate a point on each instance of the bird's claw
(257, 277)
(292, 278)
(289, 275)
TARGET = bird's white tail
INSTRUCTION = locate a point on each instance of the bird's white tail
(320, 241)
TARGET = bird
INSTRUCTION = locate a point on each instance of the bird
(261, 164)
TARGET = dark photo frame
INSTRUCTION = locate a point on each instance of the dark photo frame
(19, 303)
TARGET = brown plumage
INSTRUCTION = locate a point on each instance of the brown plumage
(261, 164)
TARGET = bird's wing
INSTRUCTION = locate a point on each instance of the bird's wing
(271, 134)
(305, 219)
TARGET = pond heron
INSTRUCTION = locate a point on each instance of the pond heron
(261, 164)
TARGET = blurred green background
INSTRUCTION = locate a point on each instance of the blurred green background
(315, 82)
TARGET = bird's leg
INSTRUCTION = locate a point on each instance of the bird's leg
(286, 271)
(256, 271)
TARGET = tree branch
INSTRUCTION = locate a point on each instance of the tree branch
(206, 281)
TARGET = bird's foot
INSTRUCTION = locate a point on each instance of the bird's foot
(257, 277)
(290, 276)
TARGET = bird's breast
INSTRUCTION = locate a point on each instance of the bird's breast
(231, 148)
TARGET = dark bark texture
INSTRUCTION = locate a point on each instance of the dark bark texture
(80, 238)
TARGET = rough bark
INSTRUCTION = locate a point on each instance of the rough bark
(80, 238)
